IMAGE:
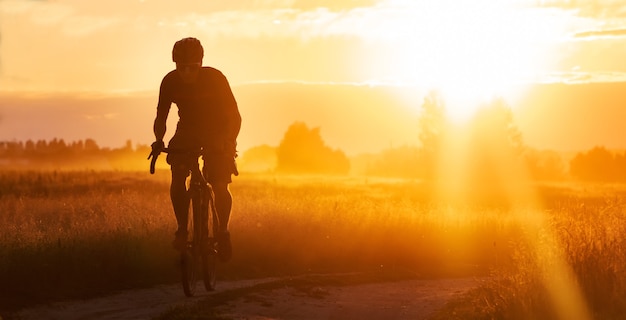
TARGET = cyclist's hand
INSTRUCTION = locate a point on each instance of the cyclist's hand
(157, 147)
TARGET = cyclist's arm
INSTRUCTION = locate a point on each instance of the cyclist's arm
(233, 117)
(163, 110)
(160, 123)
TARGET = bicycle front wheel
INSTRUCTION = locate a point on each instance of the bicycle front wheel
(209, 257)
(191, 261)
(209, 265)
(190, 274)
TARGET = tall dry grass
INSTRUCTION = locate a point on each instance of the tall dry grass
(588, 226)
(71, 234)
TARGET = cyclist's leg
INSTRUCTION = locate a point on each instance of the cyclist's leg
(218, 170)
(223, 204)
(179, 197)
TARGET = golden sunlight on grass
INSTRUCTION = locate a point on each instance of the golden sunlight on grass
(76, 234)
(479, 161)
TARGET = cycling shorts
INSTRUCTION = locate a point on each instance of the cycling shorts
(218, 168)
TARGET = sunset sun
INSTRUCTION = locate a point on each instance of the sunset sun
(469, 51)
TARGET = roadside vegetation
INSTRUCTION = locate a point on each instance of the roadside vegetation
(84, 233)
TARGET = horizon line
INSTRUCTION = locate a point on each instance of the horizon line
(570, 78)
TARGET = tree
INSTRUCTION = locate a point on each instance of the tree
(91, 146)
(302, 150)
(544, 164)
(598, 164)
(494, 127)
(258, 159)
(433, 124)
(494, 160)
(401, 162)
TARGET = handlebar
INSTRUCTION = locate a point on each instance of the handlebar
(155, 154)
(194, 152)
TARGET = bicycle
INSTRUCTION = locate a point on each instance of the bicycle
(199, 259)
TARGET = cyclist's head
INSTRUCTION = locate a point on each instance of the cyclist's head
(188, 51)
(188, 54)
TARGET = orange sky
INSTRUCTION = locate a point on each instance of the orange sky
(468, 49)
(125, 45)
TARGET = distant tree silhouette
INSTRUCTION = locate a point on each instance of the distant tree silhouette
(597, 164)
(495, 150)
(258, 159)
(77, 147)
(400, 162)
(545, 164)
(432, 124)
(29, 147)
(56, 153)
(41, 146)
(128, 146)
(90, 146)
(12, 148)
(620, 166)
(302, 150)
(494, 125)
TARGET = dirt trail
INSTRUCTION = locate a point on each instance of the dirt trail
(411, 299)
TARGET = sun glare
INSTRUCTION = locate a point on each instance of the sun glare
(468, 50)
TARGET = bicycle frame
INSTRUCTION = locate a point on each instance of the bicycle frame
(200, 256)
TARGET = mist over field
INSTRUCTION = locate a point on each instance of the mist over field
(355, 119)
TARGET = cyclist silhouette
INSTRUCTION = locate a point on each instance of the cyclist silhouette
(208, 118)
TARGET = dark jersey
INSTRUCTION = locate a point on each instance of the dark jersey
(207, 110)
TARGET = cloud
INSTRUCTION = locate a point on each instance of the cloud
(332, 5)
(47, 14)
(84, 25)
(274, 23)
(584, 77)
(105, 116)
(238, 18)
(69, 19)
(592, 9)
(594, 34)
(15, 6)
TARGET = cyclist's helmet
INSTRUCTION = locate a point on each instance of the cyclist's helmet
(187, 50)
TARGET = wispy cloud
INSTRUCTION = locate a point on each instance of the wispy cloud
(332, 5)
(592, 8)
(105, 116)
(85, 25)
(49, 13)
(107, 38)
(64, 16)
(242, 18)
(595, 34)
(577, 76)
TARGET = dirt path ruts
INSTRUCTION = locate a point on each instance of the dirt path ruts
(408, 299)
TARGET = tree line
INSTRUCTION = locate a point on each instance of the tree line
(492, 140)
(59, 154)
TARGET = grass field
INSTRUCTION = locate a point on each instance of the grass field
(76, 234)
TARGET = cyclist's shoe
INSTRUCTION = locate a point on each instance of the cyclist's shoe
(180, 241)
(224, 247)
